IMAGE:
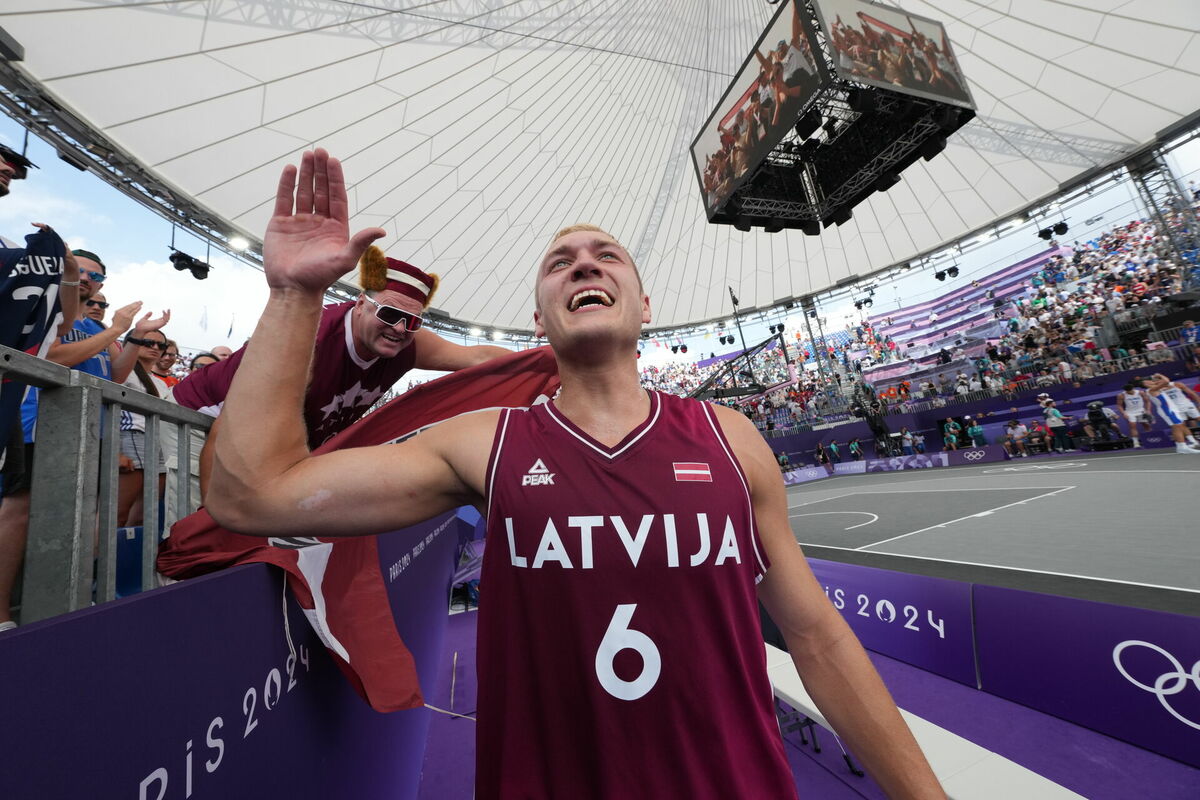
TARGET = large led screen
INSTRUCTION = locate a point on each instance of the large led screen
(758, 108)
(892, 49)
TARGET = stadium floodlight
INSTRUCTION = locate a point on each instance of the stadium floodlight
(1061, 229)
(239, 243)
(182, 261)
(675, 348)
(1046, 234)
(952, 272)
(940, 275)
(476, 332)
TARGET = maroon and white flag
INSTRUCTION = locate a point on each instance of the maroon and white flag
(692, 471)
(339, 582)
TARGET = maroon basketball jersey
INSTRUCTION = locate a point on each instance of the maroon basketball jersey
(341, 389)
(620, 653)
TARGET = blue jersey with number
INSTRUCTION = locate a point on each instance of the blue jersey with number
(29, 307)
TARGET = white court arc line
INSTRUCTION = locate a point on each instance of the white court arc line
(1005, 566)
(1119, 472)
(986, 513)
(922, 491)
(874, 517)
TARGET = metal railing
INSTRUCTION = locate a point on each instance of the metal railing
(73, 496)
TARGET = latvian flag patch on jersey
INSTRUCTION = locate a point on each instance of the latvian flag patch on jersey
(692, 471)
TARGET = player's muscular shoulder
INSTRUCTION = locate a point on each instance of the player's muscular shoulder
(748, 445)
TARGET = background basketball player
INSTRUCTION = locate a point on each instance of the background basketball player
(1176, 405)
(1135, 407)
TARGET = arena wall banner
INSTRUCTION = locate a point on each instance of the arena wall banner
(804, 475)
(1126, 672)
(920, 620)
(192, 690)
(977, 455)
(850, 468)
(918, 461)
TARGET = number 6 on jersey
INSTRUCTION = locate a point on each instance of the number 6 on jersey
(618, 637)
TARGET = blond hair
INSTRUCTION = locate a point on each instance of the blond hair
(581, 227)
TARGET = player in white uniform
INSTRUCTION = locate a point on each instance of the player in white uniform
(1135, 406)
(1176, 404)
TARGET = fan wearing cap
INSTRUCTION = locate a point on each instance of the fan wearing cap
(363, 347)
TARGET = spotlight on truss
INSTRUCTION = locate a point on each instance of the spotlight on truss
(183, 261)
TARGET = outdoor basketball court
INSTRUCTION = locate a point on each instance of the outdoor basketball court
(1128, 518)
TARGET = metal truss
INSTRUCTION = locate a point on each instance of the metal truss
(82, 146)
(1171, 208)
(450, 22)
(1025, 141)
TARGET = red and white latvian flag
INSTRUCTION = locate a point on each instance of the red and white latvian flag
(338, 582)
(692, 471)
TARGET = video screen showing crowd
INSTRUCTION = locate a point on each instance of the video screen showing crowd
(760, 106)
(892, 49)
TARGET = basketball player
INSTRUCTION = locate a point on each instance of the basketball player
(1135, 407)
(1176, 405)
(632, 534)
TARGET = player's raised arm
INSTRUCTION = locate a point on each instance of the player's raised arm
(835, 668)
(264, 479)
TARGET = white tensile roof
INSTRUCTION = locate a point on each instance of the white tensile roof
(472, 130)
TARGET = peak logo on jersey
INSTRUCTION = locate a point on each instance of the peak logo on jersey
(538, 475)
(692, 471)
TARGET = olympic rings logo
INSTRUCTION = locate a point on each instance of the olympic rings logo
(974, 455)
(1166, 685)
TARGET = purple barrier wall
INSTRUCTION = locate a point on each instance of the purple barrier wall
(920, 620)
(191, 691)
(1129, 673)
(976, 455)
(918, 461)
(804, 475)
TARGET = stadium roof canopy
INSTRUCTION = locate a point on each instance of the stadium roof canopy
(472, 129)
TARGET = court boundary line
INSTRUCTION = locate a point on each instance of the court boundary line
(985, 513)
(926, 491)
(1121, 471)
(962, 470)
(999, 566)
(852, 527)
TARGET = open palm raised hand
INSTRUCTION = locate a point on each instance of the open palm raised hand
(308, 244)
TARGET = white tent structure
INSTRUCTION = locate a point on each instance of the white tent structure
(472, 129)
